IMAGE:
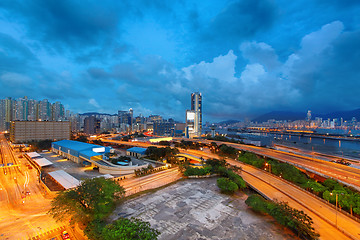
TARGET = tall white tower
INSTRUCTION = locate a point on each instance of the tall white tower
(194, 116)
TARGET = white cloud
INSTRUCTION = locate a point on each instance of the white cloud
(260, 53)
(252, 73)
(221, 68)
(94, 103)
(316, 42)
(14, 79)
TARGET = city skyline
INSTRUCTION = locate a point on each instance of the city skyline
(246, 57)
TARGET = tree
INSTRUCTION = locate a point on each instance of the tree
(330, 183)
(82, 138)
(225, 150)
(239, 181)
(227, 186)
(290, 217)
(259, 204)
(252, 159)
(327, 196)
(129, 229)
(159, 154)
(294, 219)
(94, 199)
(315, 187)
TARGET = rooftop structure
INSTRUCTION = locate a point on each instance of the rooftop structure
(64, 179)
(136, 152)
(33, 154)
(42, 162)
(79, 151)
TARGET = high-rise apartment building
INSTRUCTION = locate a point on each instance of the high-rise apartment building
(24, 131)
(92, 125)
(45, 110)
(24, 109)
(2, 114)
(126, 120)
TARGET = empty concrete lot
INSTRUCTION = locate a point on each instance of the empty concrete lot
(195, 209)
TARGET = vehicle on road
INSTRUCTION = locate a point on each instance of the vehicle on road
(65, 235)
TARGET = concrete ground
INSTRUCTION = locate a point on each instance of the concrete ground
(74, 169)
(195, 209)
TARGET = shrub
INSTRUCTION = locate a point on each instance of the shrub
(259, 204)
(190, 171)
(227, 186)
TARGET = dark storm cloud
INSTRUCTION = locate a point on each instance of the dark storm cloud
(98, 73)
(67, 23)
(14, 56)
(339, 75)
(238, 21)
(242, 19)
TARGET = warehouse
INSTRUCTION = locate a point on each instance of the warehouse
(137, 152)
(79, 151)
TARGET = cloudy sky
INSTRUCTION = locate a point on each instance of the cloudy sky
(246, 57)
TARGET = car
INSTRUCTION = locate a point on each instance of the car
(65, 235)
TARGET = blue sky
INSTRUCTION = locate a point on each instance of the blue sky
(246, 57)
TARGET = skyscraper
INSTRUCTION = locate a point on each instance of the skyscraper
(194, 116)
(126, 120)
(308, 116)
(196, 106)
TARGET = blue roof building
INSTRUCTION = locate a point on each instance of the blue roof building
(136, 152)
(75, 150)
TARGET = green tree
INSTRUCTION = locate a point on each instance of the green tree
(259, 204)
(295, 220)
(314, 186)
(227, 186)
(327, 196)
(239, 181)
(129, 229)
(252, 159)
(290, 217)
(94, 199)
(82, 138)
(330, 184)
(226, 150)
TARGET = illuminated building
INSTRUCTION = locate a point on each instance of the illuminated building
(194, 116)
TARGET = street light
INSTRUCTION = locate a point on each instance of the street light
(336, 203)
(268, 165)
(336, 200)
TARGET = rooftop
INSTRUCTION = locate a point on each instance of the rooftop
(65, 179)
(76, 145)
(42, 162)
(137, 150)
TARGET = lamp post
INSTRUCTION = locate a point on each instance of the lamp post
(268, 165)
(336, 200)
